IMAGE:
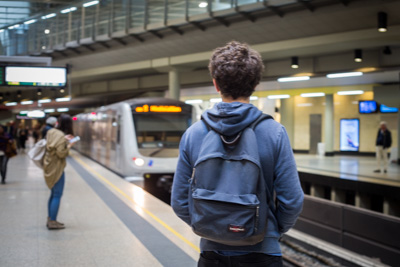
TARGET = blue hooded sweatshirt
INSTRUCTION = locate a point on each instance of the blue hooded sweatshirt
(278, 165)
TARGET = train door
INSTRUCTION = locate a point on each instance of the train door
(116, 140)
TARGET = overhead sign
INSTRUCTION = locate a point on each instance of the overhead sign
(33, 76)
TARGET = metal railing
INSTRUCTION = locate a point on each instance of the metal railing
(80, 23)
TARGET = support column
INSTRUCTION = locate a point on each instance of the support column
(174, 85)
(329, 122)
(287, 117)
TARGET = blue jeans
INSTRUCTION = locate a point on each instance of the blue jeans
(55, 197)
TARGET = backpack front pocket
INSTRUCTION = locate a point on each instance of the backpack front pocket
(218, 216)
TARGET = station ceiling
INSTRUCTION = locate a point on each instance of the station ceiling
(321, 33)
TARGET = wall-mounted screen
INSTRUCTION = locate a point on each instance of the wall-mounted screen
(386, 109)
(349, 134)
(367, 107)
(34, 76)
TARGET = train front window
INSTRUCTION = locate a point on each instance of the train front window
(159, 134)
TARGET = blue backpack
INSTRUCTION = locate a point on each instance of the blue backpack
(229, 201)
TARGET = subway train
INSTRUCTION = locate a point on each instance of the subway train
(137, 139)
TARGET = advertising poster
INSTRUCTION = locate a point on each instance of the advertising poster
(349, 134)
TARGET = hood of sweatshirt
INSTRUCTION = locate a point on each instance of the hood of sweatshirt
(231, 118)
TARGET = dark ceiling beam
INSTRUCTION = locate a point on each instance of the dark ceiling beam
(307, 4)
(156, 34)
(89, 48)
(119, 40)
(248, 16)
(104, 44)
(176, 29)
(61, 52)
(75, 50)
(137, 37)
(222, 21)
(198, 25)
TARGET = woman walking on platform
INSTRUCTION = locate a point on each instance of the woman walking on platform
(57, 149)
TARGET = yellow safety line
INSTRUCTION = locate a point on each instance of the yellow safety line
(133, 201)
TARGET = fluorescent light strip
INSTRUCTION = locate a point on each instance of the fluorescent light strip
(1, 30)
(344, 74)
(11, 104)
(253, 98)
(215, 100)
(49, 16)
(23, 112)
(194, 101)
(26, 102)
(62, 109)
(13, 27)
(63, 99)
(30, 21)
(68, 10)
(294, 79)
(41, 101)
(92, 3)
(49, 110)
(278, 96)
(312, 94)
(356, 92)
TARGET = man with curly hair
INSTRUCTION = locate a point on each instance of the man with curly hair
(236, 70)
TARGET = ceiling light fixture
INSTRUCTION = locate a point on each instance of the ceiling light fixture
(68, 10)
(27, 102)
(194, 101)
(295, 63)
(355, 92)
(293, 79)
(30, 21)
(19, 93)
(382, 22)
(11, 104)
(312, 94)
(92, 3)
(203, 4)
(344, 74)
(49, 110)
(62, 109)
(63, 99)
(47, 100)
(278, 96)
(358, 55)
(49, 16)
(39, 91)
(253, 98)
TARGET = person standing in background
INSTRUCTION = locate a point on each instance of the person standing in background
(383, 143)
(4, 140)
(57, 149)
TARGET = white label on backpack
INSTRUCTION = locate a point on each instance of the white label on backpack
(236, 228)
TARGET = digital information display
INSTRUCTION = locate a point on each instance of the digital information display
(349, 134)
(367, 107)
(33, 76)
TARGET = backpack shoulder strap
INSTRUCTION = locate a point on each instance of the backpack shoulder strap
(262, 117)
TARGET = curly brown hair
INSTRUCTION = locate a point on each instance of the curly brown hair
(237, 69)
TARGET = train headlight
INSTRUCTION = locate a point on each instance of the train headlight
(138, 161)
